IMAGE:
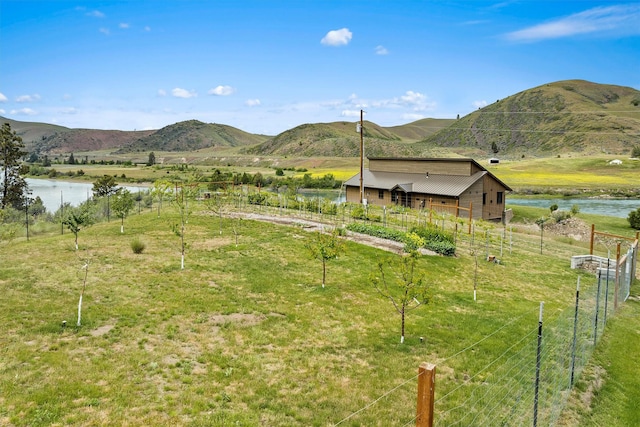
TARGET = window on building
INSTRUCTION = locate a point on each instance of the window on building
(380, 194)
(394, 196)
(500, 197)
(484, 198)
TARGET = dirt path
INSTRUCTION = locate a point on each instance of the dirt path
(309, 225)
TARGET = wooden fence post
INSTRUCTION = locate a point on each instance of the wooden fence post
(426, 391)
(593, 229)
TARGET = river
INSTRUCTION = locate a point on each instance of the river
(54, 192)
(610, 207)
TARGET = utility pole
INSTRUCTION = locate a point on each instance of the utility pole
(361, 130)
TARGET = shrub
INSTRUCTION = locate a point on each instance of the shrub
(560, 216)
(377, 231)
(256, 199)
(553, 207)
(635, 151)
(575, 209)
(634, 219)
(412, 242)
(433, 234)
(442, 248)
(137, 246)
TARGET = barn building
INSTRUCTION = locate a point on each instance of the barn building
(459, 183)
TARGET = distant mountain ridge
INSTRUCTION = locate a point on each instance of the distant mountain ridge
(565, 116)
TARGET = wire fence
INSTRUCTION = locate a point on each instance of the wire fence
(526, 382)
(530, 380)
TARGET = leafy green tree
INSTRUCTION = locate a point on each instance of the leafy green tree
(404, 287)
(13, 186)
(104, 186)
(152, 159)
(635, 151)
(122, 204)
(634, 219)
(325, 247)
(72, 160)
(77, 218)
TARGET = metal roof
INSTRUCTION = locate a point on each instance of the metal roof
(444, 185)
(443, 159)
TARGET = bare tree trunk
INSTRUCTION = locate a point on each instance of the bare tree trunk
(402, 334)
(324, 271)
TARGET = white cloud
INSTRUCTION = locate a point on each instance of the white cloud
(162, 92)
(381, 50)
(413, 98)
(28, 98)
(183, 93)
(69, 110)
(480, 104)
(337, 37)
(147, 28)
(2, 111)
(124, 25)
(104, 31)
(221, 90)
(252, 102)
(25, 112)
(3, 98)
(350, 113)
(615, 20)
(95, 14)
(66, 96)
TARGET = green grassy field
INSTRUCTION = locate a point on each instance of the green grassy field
(563, 176)
(245, 335)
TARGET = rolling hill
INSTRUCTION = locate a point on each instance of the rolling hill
(572, 116)
(192, 135)
(567, 116)
(340, 139)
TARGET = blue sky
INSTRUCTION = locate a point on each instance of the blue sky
(268, 66)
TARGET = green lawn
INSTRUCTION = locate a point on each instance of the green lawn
(245, 335)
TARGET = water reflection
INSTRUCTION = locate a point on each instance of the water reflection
(53, 192)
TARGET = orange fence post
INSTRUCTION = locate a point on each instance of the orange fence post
(593, 232)
(426, 392)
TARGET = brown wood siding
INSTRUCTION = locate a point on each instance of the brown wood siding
(373, 197)
(352, 194)
(492, 209)
(473, 197)
(371, 194)
(440, 167)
